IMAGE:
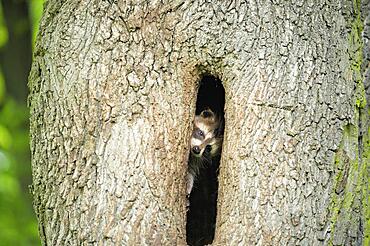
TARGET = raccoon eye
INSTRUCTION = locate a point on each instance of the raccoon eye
(208, 148)
(200, 133)
(206, 113)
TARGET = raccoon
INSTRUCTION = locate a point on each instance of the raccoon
(205, 144)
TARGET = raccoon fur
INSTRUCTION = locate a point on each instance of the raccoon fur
(205, 144)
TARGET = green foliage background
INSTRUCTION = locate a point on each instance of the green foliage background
(18, 225)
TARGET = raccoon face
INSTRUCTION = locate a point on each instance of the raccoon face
(205, 139)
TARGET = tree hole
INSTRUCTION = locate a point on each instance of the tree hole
(202, 211)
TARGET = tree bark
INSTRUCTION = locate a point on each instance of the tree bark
(113, 93)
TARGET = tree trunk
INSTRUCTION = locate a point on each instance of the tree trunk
(113, 94)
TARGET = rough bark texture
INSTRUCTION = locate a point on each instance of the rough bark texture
(364, 120)
(113, 88)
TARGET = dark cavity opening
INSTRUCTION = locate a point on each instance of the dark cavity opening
(201, 216)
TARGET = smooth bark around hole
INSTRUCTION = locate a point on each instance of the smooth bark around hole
(201, 217)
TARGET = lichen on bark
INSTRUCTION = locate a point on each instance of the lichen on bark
(349, 205)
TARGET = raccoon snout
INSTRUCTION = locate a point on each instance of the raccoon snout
(196, 150)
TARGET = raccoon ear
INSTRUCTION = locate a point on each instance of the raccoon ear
(207, 113)
(220, 129)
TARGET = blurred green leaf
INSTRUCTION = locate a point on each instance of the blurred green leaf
(4, 162)
(13, 115)
(18, 225)
(8, 185)
(36, 8)
(5, 138)
(3, 29)
(2, 85)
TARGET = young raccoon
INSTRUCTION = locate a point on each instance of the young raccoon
(205, 144)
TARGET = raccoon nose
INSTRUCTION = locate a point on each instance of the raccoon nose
(196, 150)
